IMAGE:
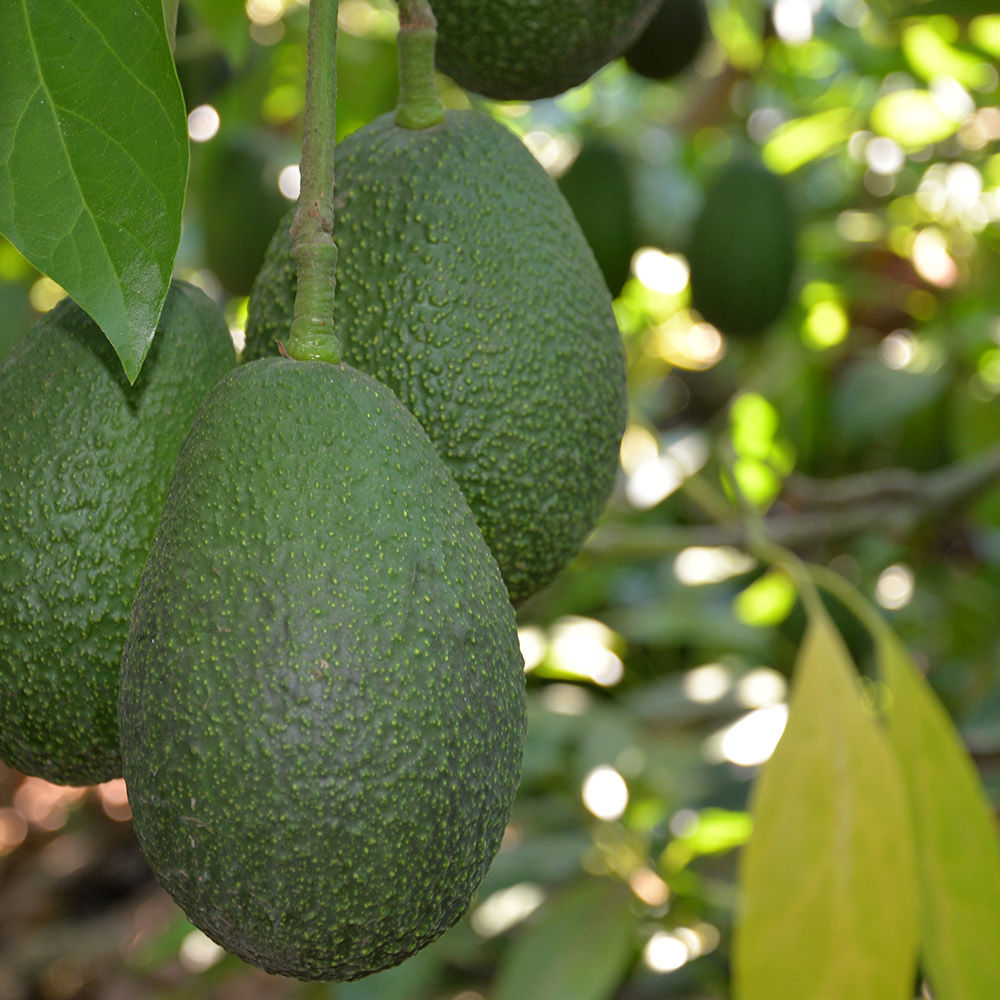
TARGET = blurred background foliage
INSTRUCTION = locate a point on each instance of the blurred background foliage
(859, 411)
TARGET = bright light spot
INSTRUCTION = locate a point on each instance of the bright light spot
(657, 476)
(290, 181)
(667, 273)
(502, 910)
(884, 156)
(897, 350)
(688, 344)
(932, 260)
(45, 805)
(702, 564)
(649, 887)
(533, 646)
(761, 687)
(752, 739)
(238, 335)
(566, 699)
(793, 21)
(45, 294)
(683, 822)
(203, 123)
(826, 324)
(581, 646)
(852, 13)
(665, 952)
(894, 588)
(763, 122)
(952, 98)
(857, 144)
(638, 445)
(265, 12)
(553, 152)
(707, 683)
(605, 793)
(199, 952)
(114, 799)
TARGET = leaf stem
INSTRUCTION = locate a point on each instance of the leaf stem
(418, 105)
(312, 337)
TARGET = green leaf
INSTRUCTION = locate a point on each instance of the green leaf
(795, 143)
(578, 947)
(958, 855)
(93, 156)
(829, 895)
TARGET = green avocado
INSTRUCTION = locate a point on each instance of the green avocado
(671, 40)
(598, 188)
(527, 49)
(742, 253)
(322, 704)
(85, 460)
(465, 285)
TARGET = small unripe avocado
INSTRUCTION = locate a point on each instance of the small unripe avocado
(598, 188)
(527, 49)
(465, 284)
(85, 459)
(743, 249)
(671, 40)
(322, 702)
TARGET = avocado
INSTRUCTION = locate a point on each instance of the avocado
(240, 204)
(670, 41)
(322, 704)
(742, 253)
(527, 49)
(465, 285)
(85, 460)
(598, 188)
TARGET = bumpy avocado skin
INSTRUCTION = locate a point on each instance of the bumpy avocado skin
(527, 49)
(743, 249)
(465, 284)
(85, 460)
(322, 701)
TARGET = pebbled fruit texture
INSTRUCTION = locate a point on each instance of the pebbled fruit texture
(322, 703)
(671, 41)
(85, 460)
(465, 285)
(742, 253)
(527, 49)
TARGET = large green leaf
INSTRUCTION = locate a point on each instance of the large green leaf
(958, 855)
(578, 947)
(93, 156)
(829, 892)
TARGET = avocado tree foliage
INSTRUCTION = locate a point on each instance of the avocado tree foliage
(779, 480)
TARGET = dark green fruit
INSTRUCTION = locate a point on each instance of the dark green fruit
(671, 40)
(742, 253)
(15, 314)
(241, 206)
(85, 460)
(599, 190)
(526, 49)
(322, 703)
(465, 285)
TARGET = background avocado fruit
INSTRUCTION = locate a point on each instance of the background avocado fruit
(465, 285)
(240, 204)
(742, 252)
(598, 188)
(322, 704)
(527, 49)
(85, 460)
(670, 41)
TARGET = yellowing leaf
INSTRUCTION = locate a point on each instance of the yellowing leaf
(767, 601)
(828, 888)
(958, 855)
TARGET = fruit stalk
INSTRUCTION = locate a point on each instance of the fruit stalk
(312, 337)
(418, 105)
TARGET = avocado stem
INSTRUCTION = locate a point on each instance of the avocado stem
(418, 105)
(312, 337)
